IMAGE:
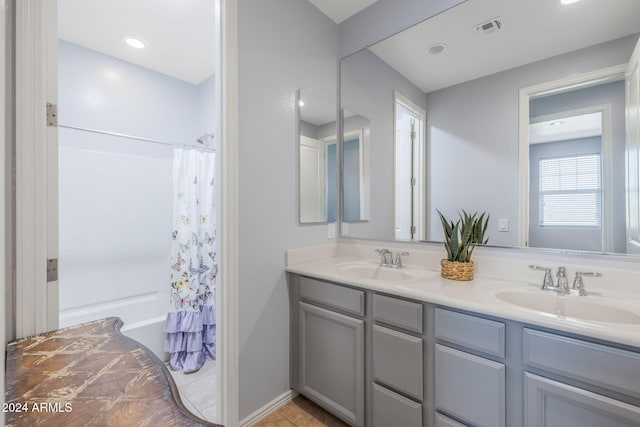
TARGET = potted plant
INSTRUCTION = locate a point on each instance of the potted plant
(460, 239)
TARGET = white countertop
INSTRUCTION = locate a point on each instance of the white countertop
(479, 295)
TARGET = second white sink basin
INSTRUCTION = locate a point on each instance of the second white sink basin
(587, 308)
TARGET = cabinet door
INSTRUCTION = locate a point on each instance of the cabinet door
(549, 403)
(391, 409)
(332, 362)
(470, 387)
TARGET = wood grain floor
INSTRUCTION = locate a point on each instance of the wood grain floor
(300, 412)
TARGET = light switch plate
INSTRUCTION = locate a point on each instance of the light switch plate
(503, 224)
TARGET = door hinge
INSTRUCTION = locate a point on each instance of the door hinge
(52, 270)
(413, 229)
(52, 115)
(413, 181)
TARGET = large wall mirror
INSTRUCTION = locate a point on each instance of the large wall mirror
(445, 99)
(317, 160)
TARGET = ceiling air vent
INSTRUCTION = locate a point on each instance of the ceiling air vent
(490, 26)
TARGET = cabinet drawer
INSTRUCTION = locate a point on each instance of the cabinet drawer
(550, 403)
(397, 361)
(340, 297)
(600, 365)
(470, 388)
(444, 421)
(397, 312)
(473, 332)
(391, 409)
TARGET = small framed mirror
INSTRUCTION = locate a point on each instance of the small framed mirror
(317, 158)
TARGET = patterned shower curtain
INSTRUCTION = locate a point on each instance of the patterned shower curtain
(191, 323)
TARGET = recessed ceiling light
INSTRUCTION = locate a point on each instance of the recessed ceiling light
(135, 42)
(558, 123)
(301, 103)
(569, 1)
(435, 49)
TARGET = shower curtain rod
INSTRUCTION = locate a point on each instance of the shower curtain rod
(138, 138)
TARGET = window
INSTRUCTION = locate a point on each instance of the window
(570, 191)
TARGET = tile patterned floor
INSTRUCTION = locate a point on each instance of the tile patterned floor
(300, 412)
(198, 390)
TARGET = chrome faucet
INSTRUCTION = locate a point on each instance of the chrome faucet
(547, 282)
(578, 283)
(398, 262)
(386, 258)
(562, 286)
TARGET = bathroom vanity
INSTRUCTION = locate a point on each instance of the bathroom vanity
(379, 347)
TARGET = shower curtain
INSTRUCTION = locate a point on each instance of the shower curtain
(190, 326)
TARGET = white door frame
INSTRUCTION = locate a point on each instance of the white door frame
(36, 224)
(34, 43)
(4, 243)
(603, 75)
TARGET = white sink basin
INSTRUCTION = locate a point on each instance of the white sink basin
(370, 271)
(587, 308)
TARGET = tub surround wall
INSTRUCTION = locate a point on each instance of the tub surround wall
(115, 193)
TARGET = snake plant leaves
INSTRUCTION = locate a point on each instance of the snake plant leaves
(461, 237)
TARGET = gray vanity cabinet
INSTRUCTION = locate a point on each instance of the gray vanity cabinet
(469, 387)
(331, 351)
(550, 403)
(397, 357)
(376, 360)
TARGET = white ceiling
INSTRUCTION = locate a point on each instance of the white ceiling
(180, 33)
(562, 129)
(532, 30)
(339, 10)
(317, 111)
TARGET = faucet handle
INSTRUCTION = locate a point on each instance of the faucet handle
(398, 262)
(384, 254)
(547, 282)
(578, 283)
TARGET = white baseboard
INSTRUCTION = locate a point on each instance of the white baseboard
(276, 403)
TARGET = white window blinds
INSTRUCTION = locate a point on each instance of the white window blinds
(570, 191)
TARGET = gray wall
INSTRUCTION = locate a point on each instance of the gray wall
(284, 45)
(368, 85)
(613, 94)
(472, 129)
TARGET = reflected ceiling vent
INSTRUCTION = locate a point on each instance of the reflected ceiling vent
(491, 26)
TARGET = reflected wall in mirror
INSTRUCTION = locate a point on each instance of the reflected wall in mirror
(355, 181)
(317, 161)
(468, 82)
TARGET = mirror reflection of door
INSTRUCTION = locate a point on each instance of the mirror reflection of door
(312, 180)
(565, 186)
(318, 173)
(353, 159)
(355, 167)
(409, 170)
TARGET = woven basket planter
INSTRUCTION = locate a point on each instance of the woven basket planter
(456, 270)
